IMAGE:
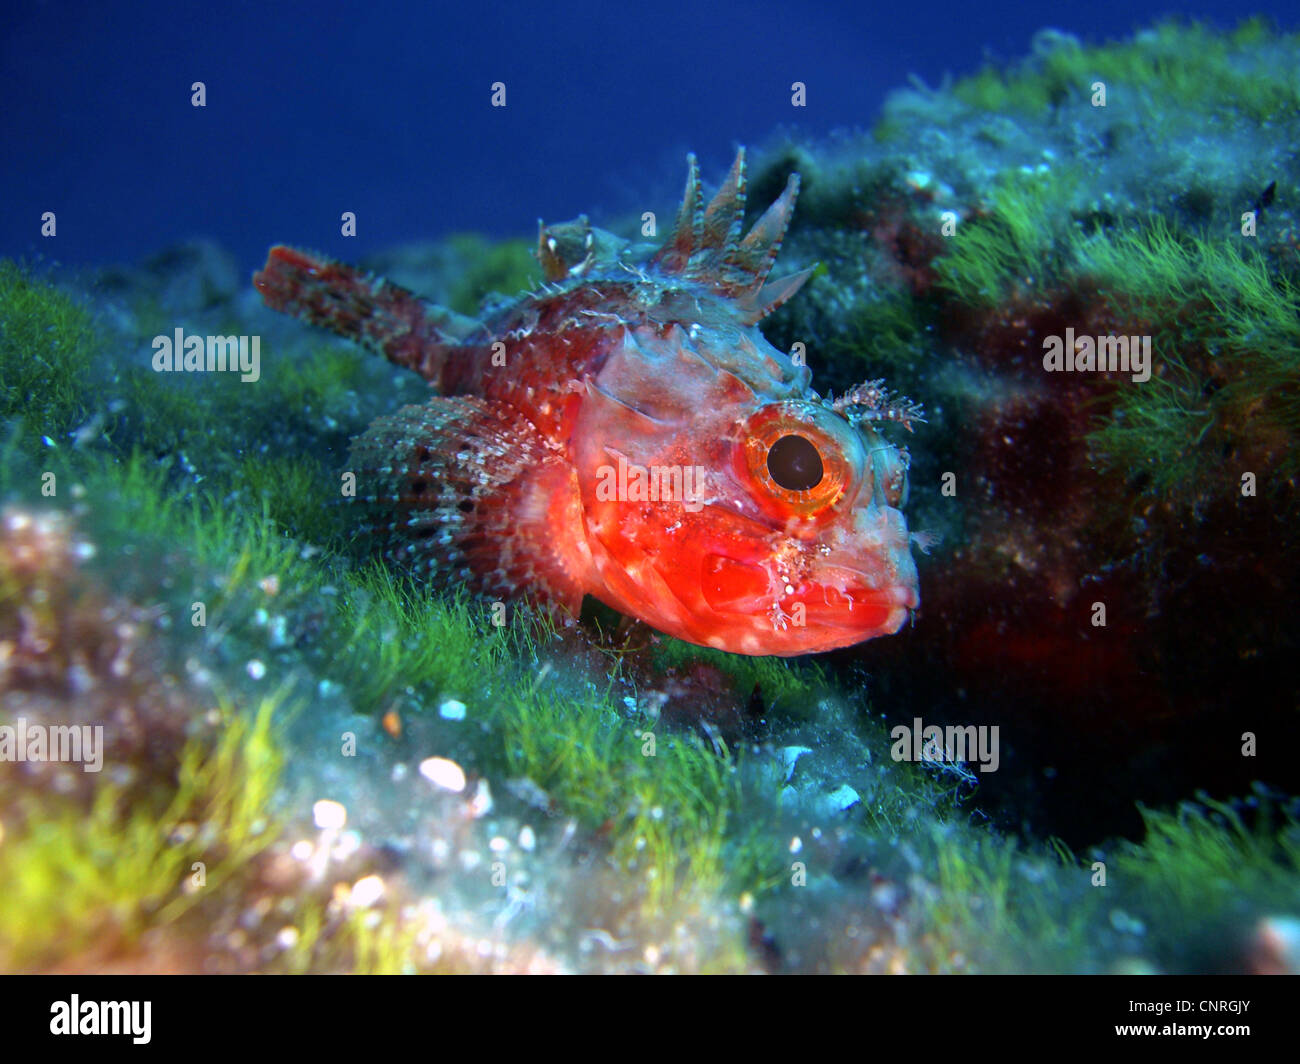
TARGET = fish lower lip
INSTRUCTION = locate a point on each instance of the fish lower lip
(854, 607)
(739, 587)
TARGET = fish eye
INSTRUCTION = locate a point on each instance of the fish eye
(795, 463)
(798, 459)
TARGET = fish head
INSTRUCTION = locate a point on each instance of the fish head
(728, 505)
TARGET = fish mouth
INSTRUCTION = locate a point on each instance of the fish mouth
(839, 597)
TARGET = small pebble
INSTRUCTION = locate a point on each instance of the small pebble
(481, 804)
(452, 710)
(328, 814)
(366, 891)
(789, 756)
(443, 773)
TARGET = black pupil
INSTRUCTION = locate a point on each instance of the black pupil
(794, 463)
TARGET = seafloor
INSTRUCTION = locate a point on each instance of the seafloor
(312, 764)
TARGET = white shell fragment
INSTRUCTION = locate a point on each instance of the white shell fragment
(443, 773)
(790, 756)
(328, 814)
(367, 891)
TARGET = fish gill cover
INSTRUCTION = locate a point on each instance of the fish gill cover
(236, 736)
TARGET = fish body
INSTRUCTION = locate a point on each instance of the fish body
(627, 432)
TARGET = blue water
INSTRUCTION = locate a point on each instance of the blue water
(384, 108)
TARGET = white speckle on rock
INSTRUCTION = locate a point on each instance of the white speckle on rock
(452, 710)
(367, 891)
(328, 814)
(443, 773)
(481, 804)
(256, 669)
(527, 839)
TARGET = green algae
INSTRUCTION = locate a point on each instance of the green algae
(1182, 899)
(135, 860)
(47, 350)
(1019, 244)
(1209, 868)
(793, 686)
(502, 268)
(1200, 68)
(1229, 356)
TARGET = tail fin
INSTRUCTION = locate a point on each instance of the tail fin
(385, 317)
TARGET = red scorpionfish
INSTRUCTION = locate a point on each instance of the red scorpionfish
(626, 432)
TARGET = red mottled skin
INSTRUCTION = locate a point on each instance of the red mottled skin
(503, 480)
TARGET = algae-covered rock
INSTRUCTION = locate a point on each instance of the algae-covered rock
(1117, 553)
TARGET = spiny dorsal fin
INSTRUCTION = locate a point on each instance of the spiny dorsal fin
(706, 244)
(725, 215)
(763, 243)
(690, 215)
(778, 293)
